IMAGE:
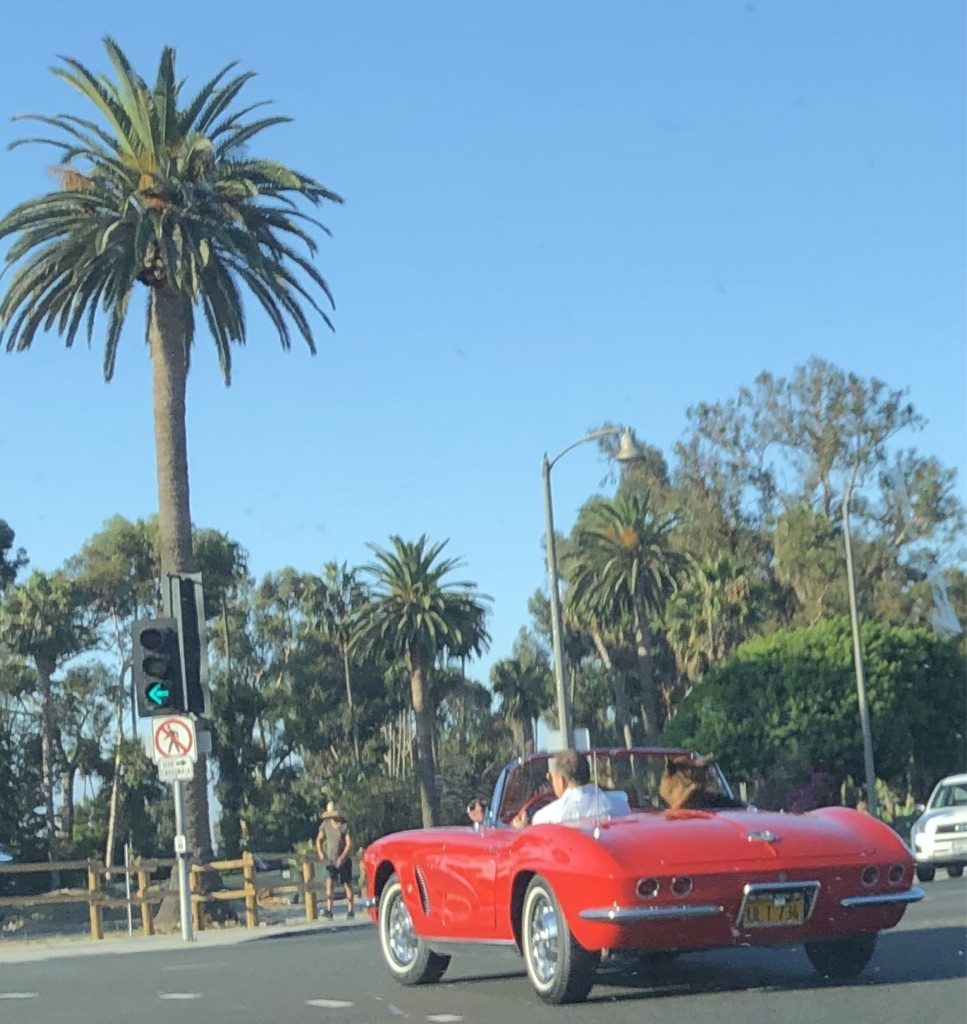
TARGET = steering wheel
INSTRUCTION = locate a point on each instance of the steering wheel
(533, 804)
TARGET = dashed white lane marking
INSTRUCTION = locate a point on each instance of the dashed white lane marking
(179, 995)
(18, 995)
(329, 1004)
(196, 966)
(445, 1018)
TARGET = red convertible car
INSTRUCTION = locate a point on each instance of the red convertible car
(651, 880)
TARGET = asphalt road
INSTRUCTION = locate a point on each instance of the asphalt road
(336, 975)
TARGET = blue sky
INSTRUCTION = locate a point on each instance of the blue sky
(557, 214)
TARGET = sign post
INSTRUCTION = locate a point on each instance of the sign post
(174, 749)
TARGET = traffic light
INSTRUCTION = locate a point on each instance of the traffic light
(156, 668)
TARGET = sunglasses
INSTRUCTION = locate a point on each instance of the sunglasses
(476, 805)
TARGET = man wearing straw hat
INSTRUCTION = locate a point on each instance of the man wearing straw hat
(333, 846)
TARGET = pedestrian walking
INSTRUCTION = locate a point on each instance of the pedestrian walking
(334, 844)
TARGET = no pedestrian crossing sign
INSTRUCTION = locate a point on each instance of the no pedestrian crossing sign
(173, 740)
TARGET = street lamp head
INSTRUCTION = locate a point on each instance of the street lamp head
(628, 449)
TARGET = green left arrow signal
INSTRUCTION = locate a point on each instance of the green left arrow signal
(158, 694)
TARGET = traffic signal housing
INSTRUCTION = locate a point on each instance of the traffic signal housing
(159, 686)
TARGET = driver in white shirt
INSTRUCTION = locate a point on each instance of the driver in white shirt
(577, 797)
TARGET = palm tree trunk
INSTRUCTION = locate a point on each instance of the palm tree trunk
(168, 327)
(425, 767)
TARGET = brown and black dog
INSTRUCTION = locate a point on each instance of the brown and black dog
(687, 782)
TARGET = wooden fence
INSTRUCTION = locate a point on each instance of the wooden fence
(146, 893)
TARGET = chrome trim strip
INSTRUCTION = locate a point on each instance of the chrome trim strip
(367, 902)
(629, 915)
(907, 896)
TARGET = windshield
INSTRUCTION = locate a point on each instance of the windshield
(635, 772)
(954, 795)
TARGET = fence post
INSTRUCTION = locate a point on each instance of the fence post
(147, 921)
(251, 895)
(308, 874)
(196, 915)
(94, 907)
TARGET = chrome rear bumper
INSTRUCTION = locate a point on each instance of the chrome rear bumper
(628, 915)
(907, 896)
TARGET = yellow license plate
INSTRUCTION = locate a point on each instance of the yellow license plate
(772, 910)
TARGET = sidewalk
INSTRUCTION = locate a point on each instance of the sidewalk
(12, 952)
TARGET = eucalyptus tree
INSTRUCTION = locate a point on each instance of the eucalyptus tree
(415, 614)
(623, 566)
(11, 562)
(157, 188)
(43, 621)
(334, 604)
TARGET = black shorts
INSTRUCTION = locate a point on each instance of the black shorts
(343, 874)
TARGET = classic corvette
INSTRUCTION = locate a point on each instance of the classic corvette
(652, 880)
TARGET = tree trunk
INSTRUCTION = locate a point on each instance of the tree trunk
(169, 317)
(649, 693)
(349, 699)
(622, 716)
(425, 768)
(167, 336)
(528, 725)
(45, 670)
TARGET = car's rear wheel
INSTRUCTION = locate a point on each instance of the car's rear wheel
(842, 958)
(955, 870)
(559, 967)
(925, 872)
(410, 960)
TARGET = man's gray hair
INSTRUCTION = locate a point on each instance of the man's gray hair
(569, 764)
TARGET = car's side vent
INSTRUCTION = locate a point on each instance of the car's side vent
(424, 894)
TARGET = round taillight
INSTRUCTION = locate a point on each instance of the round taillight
(647, 888)
(897, 871)
(681, 886)
(871, 875)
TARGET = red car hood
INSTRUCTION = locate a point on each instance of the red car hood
(696, 838)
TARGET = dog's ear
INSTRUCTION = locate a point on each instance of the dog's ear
(704, 762)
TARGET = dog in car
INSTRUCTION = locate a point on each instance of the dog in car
(689, 783)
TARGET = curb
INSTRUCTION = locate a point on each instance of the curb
(31, 951)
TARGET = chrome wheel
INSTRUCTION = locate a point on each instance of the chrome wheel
(542, 925)
(410, 960)
(401, 940)
(559, 967)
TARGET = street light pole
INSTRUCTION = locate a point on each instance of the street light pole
(563, 707)
(870, 772)
(627, 451)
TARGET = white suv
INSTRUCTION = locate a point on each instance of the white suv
(939, 836)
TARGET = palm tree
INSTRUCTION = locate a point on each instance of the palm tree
(158, 189)
(712, 613)
(414, 616)
(520, 683)
(623, 568)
